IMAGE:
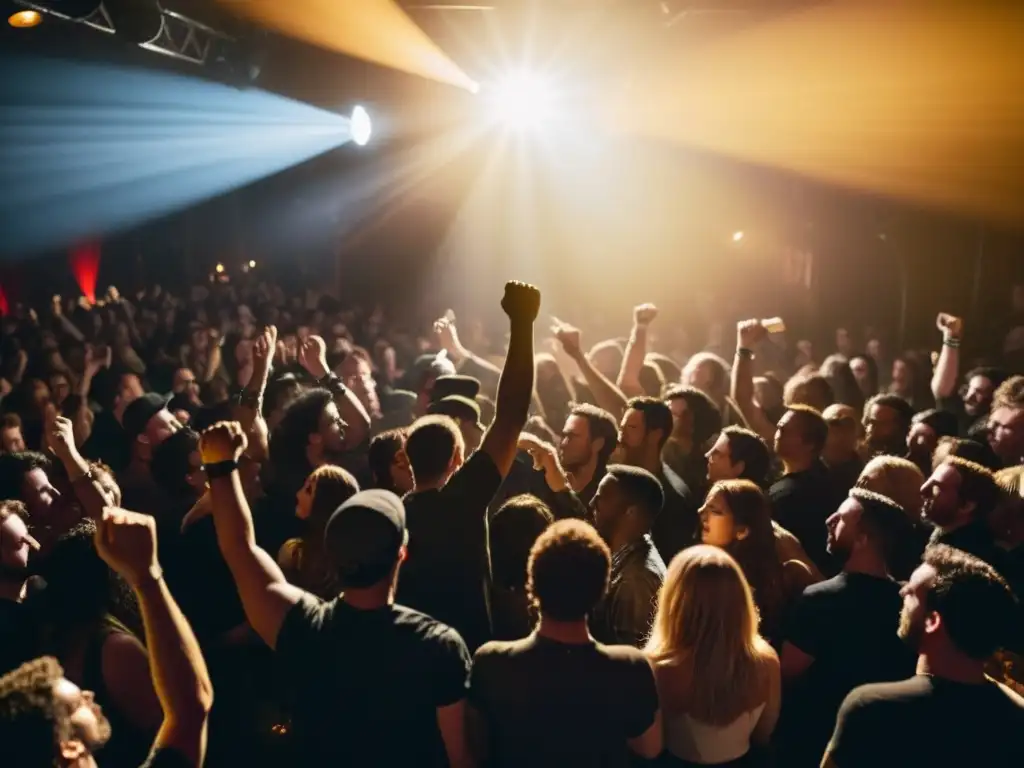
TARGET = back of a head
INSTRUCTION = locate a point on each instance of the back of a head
(32, 720)
(657, 415)
(382, 451)
(567, 573)
(718, 381)
(706, 624)
(431, 445)
(707, 419)
(514, 529)
(749, 447)
(977, 484)
(651, 380)
(977, 608)
(639, 488)
(895, 478)
(670, 369)
(972, 450)
(334, 486)
(812, 426)
(904, 411)
(885, 522)
(1009, 394)
(813, 390)
(301, 419)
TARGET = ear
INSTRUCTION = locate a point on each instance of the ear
(315, 439)
(598, 445)
(739, 468)
(741, 532)
(932, 623)
(403, 553)
(968, 508)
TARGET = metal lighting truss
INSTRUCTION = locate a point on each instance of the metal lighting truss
(180, 37)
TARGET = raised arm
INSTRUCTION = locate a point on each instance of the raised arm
(947, 369)
(515, 387)
(127, 542)
(608, 396)
(448, 338)
(313, 357)
(266, 595)
(636, 351)
(249, 408)
(748, 334)
(60, 436)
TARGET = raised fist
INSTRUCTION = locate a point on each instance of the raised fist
(521, 301)
(224, 441)
(569, 337)
(313, 356)
(60, 436)
(644, 314)
(264, 345)
(950, 325)
(127, 542)
(749, 333)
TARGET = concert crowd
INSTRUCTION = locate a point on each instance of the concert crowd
(240, 527)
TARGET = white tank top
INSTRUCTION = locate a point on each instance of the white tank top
(697, 742)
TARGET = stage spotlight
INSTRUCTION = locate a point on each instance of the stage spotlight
(737, 236)
(25, 19)
(361, 126)
(522, 100)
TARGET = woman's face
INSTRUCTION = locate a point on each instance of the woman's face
(719, 527)
(304, 499)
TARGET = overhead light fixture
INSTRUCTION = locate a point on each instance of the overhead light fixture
(360, 126)
(737, 236)
(25, 19)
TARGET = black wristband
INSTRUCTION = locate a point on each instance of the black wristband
(220, 469)
(744, 352)
(332, 382)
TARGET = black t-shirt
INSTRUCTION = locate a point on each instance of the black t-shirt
(445, 573)
(367, 684)
(16, 636)
(849, 625)
(547, 703)
(801, 503)
(677, 526)
(929, 721)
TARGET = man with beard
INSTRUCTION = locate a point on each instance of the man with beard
(1006, 422)
(886, 425)
(928, 427)
(957, 612)
(958, 498)
(841, 632)
(45, 719)
(645, 429)
(589, 437)
(16, 544)
(970, 406)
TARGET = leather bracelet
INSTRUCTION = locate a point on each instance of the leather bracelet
(220, 469)
(951, 343)
(332, 382)
(744, 352)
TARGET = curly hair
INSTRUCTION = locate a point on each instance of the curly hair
(33, 721)
(1009, 394)
(567, 573)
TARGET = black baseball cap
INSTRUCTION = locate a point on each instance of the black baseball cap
(363, 537)
(140, 411)
(448, 386)
(458, 408)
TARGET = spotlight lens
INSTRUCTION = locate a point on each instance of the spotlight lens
(737, 236)
(25, 19)
(361, 126)
(523, 100)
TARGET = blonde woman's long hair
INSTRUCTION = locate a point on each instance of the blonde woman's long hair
(705, 631)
